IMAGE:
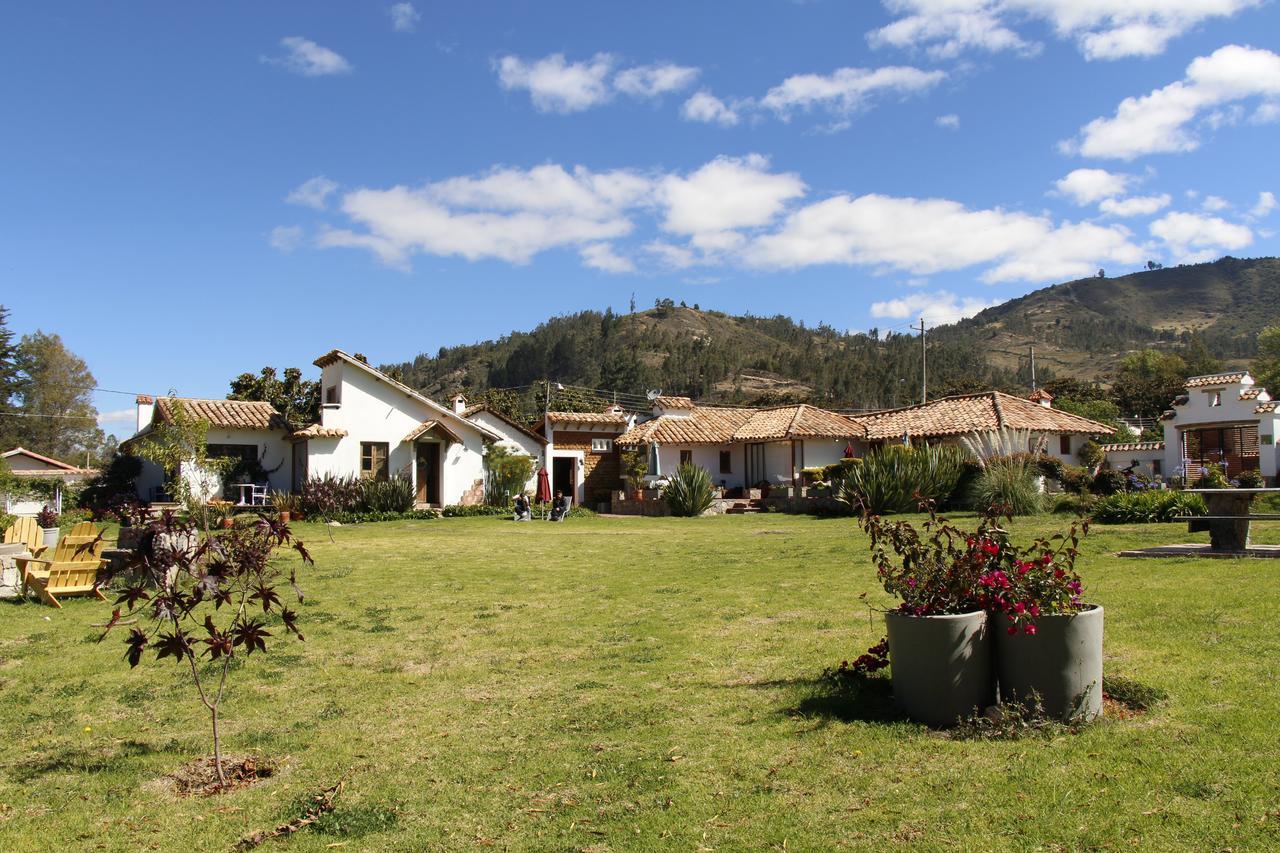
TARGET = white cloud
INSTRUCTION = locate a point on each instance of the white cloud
(305, 57)
(601, 256)
(671, 255)
(1162, 121)
(556, 85)
(706, 107)
(1213, 203)
(1086, 186)
(726, 194)
(936, 308)
(652, 81)
(1193, 238)
(846, 90)
(285, 238)
(505, 214)
(118, 416)
(1266, 204)
(312, 193)
(1267, 112)
(926, 236)
(404, 18)
(950, 121)
(1138, 205)
(1102, 29)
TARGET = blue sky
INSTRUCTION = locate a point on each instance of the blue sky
(193, 191)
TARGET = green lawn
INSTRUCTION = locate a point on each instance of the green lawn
(640, 684)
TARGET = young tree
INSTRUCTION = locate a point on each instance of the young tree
(295, 398)
(56, 391)
(8, 383)
(508, 473)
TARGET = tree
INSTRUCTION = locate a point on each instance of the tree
(1147, 382)
(295, 398)
(509, 472)
(8, 383)
(1266, 367)
(56, 392)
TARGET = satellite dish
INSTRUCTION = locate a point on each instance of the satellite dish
(653, 395)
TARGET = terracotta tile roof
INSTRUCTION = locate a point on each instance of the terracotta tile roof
(615, 418)
(1040, 394)
(225, 414)
(316, 431)
(1131, 446)
(673, 402)
(968, 413)
(1250, 393)
(1215, 379)
(429, 426)
(716, 425)
(48, 460)
(1263, 408)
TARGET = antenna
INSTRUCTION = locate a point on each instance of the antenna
(924, 364)
(1034, 386)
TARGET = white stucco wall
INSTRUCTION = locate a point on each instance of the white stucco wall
(273, 454)
(515, 441)
(708, 457)
(373, 410)
(1198, 412)
(820, 452)
(1118, 460)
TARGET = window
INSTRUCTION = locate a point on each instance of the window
(601, 445)
(1156, 468)
(1215, 397)
(373, 460)
(1064, 445)
(240, 452)
(686, 457)
(726, 461)
(331, 395)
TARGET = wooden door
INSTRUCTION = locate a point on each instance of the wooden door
(429, 473)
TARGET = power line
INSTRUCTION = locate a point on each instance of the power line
(44, 415)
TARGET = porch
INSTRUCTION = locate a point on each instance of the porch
(1235, 447)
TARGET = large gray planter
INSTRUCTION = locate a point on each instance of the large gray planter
(1062, 662)
(941, 666)
(50, 537)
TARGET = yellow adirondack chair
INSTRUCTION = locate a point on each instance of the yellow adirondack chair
(73, 570)
(83, 528)
(25, 531)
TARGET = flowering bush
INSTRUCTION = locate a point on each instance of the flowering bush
(46, 517)
(948, 570)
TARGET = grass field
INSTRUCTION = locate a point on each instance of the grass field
(640, 684)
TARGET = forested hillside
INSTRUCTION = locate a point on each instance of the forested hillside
(1079, 329)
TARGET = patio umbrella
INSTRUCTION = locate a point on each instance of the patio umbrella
(543, 494)
(848, 450)
(654, 468)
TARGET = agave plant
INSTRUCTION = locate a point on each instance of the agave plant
(689, 492)
(897, 479)
(393, 495)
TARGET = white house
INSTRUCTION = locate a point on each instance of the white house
(1061, 434)
(514, 437)
(1222, 419)
(583, 460)
(1142, 457)
(27, 464)
(370, 426)
(743, 447)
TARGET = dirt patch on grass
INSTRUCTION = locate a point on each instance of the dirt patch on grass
(199, 778)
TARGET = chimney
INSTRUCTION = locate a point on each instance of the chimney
(459, 404)
(1042, 397)
(146, 409)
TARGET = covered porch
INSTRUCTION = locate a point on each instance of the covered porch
(1233, 446)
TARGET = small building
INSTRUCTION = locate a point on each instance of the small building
(1221, 419)
(743, 447)
(1140, 457)
(1059, 434)
(27, 464)
(584, 459)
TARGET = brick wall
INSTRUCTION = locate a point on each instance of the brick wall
(601, 472)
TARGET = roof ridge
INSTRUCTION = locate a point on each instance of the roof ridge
(795, 420)
(995, 403)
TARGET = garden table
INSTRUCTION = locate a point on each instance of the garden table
(1228, 517)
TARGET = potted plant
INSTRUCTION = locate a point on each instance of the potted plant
(1048, 641)
(283, 503)
(939, 644)
(635, 465)
(48, 521)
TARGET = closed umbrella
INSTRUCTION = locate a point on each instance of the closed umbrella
(543, 493)
(654, 467)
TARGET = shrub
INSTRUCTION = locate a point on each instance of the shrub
(392, 495)
(459, 511)
(46, 517)
(1090, 454)
(689, 493)
(326, 495)
(1214, 478)
(1151, 505)
(1069, 504)
(897, 479)
(1074, 479)
(365, 516)
(6, 520)
(507, 473)
(1107, 482)
(1009, 485)
(1250, 479)
(115, 483)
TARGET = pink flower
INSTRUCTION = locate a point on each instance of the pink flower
(1031, 630)
(1013, 629)
(1019, 608)
(1035, 610)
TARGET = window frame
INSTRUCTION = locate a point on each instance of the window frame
(726, 461)
(686, 456)
(369, 458)
(602, 445)
(1064, 445)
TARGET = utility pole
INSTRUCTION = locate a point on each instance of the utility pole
(1034, 386)
(924, 363)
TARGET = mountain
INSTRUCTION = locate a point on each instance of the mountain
(1079, 329)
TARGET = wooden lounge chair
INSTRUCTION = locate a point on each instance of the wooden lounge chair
(83, 528)
(25, 531)
(73, 570)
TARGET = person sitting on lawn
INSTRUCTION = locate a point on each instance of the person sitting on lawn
(522, 508)
(559, 507)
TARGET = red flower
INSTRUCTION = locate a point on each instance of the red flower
(1031, 630)
(1013, 629)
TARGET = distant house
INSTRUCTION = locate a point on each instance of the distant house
(583, 455)
(1140, 457)
(743, 447)
(1221, 419)
(371, 426)
(29, 464)
(947, 419)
